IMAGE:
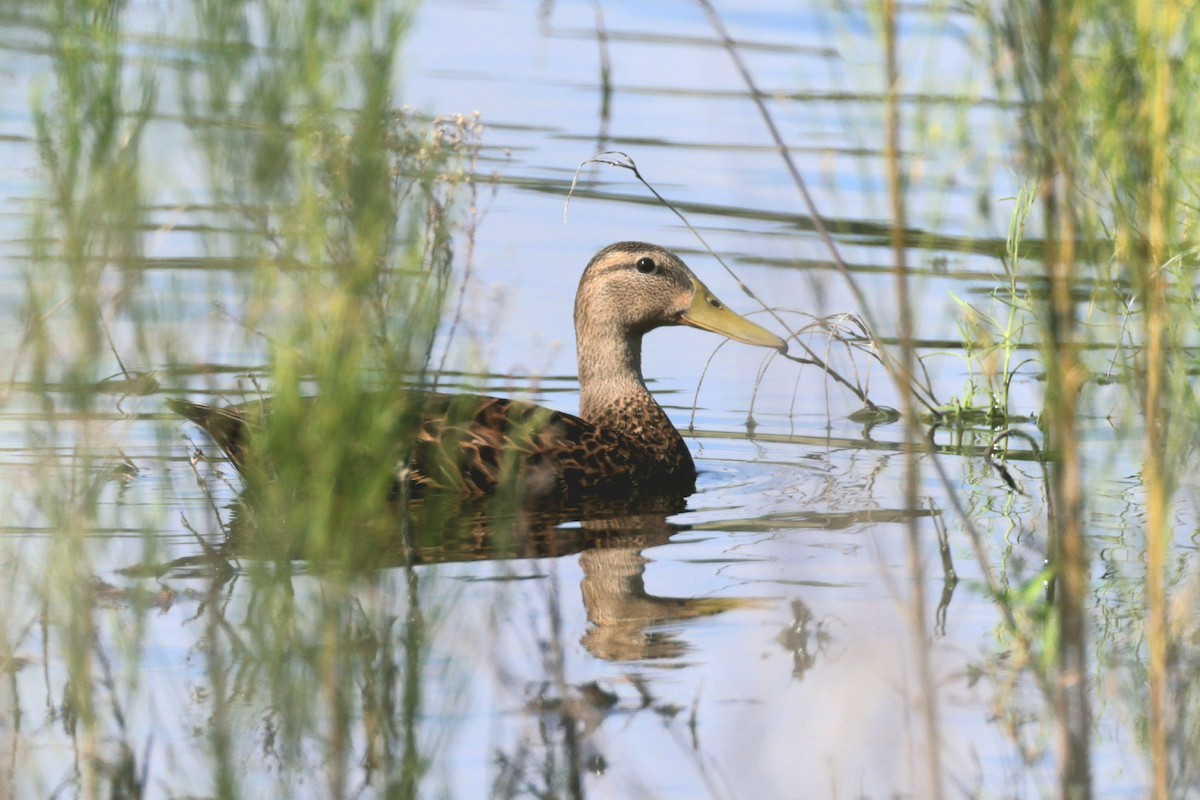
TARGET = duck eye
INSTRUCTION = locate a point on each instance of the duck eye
(646, 265)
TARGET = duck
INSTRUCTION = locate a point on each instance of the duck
(620, 446)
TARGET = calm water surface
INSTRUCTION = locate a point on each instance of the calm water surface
(801, 683)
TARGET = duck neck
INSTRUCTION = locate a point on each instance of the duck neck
(610, 376)
(614, 398)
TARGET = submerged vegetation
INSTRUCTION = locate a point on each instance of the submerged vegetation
(337, 233)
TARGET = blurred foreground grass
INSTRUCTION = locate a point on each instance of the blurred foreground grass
(334, 215)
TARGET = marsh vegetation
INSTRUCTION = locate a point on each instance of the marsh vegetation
(946, 549)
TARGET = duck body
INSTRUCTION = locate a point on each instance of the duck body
(621, 446)
(561, 458)
(465, 445)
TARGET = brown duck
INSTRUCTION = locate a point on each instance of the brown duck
(622, 445)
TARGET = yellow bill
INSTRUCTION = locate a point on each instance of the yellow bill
(710, 314)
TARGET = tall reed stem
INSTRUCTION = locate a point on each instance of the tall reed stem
(1057, 31)
(1155, 22)
(912, 471)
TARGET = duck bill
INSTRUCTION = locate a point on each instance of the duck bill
(710, 314)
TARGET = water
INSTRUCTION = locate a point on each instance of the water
(759, 645)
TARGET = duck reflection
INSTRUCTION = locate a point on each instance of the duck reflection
(626, 622)
(623, 616)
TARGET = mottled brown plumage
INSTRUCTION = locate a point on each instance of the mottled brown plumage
(621, 445)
